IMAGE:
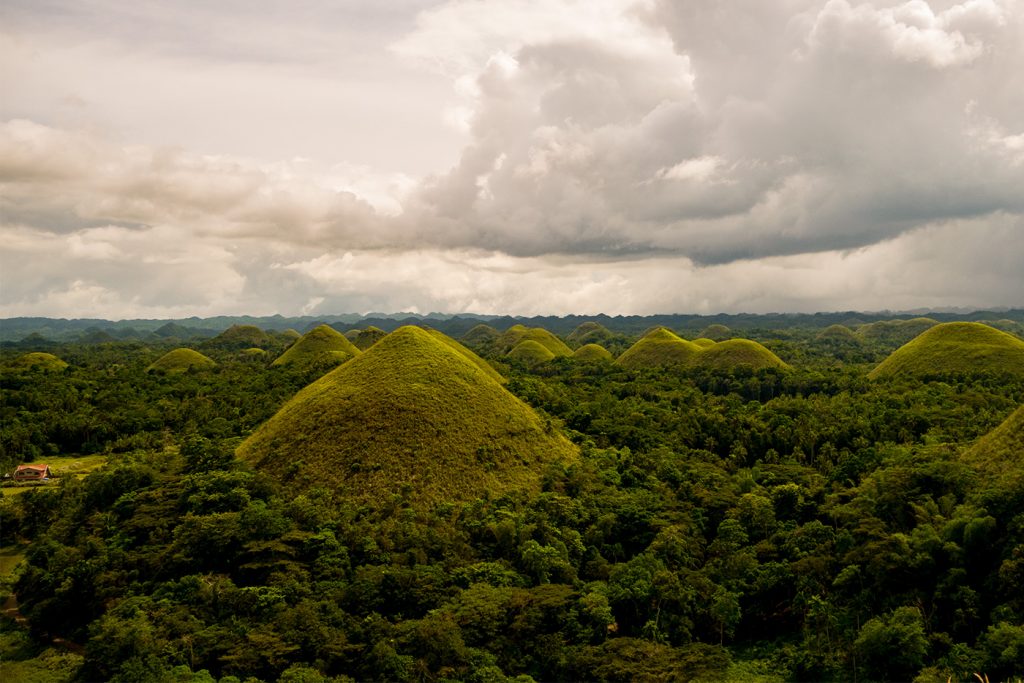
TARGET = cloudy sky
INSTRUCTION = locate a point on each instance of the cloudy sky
(166, 159)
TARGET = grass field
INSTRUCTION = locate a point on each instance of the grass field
(60, 466)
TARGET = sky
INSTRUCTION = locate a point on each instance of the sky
(523, 157)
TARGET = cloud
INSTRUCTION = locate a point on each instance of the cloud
(630, 155)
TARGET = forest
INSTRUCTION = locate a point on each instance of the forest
(812, 502)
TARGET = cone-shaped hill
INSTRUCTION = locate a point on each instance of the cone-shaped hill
(39, 361)
(289, 335)
(412, 414)
(520, 333)
(592, 353)
(238, 337)
(999, 454)
(484, 366)
(716, 332)
(180, 360)
(737, 352)
(589, 333)
(837, 333)
(368, 337)
(895, 331)
(659, 348)
(530, 352)
(955, 349)
(480, 336)
(321, 345)
(704, 342)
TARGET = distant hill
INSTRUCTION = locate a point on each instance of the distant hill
(592, 353)
(180, 360)
(839, 333)
(734, 353)
(39, 361)
(955, 349)
(368, 337)
(895, 331)
(481, 337)
(520, 333)
(322, 345)
(589, 333)
(716, 332)
(411, 416)
(658, 348)
(173, 330)
(530, 352)
(238, 337)
(704, 342)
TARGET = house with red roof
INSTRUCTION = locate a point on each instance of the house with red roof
(32, 472)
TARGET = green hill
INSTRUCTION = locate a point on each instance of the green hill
(589, 333)
(716, 332)
(368, 337)
(321, 345)
(530, 352)
(290, 335)
(658, 348)
(38, 361)
(254, 352)
(592, 353)
(955, 349)
(733, 353)
(238, 337)
(480, 336)
(894, 331)
(411, 416)
(180, 360)
(484, 366)
(839, 333)
(704, 342)
(520, 333)
(999, 455)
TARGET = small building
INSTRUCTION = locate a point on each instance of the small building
(32, 473)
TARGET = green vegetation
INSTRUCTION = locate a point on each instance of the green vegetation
(837, 332)
(322, 346)
(410, 417)
(39, 361)
(368, 337)
(702, 524)
(593, 353)
(659, 348)
(894, 331)
(518, 333)
(480, 337)
(716, 332)
(955, 349)
(589, 333)
(734, 353)
(290, 334)
(529, 352)
(181, 360)
(704, 342)
(239, 337)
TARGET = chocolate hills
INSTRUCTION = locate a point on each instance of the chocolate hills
(180, 360)
(321, 345)
(659, 348)
(39, 361)
(716, 332)
(733, 353)
(955, 349)
(704, 342)
(520, 333)
(364, 339)
(895, 331)
(411, 416)
(837, 333)
(238, 337)
(481, 336)
(589, 333)
(592, 353)
(530, 352)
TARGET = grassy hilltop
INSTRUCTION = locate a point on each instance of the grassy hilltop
(181, 360)
(410, 415)
(322, 344)
(955, 349)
